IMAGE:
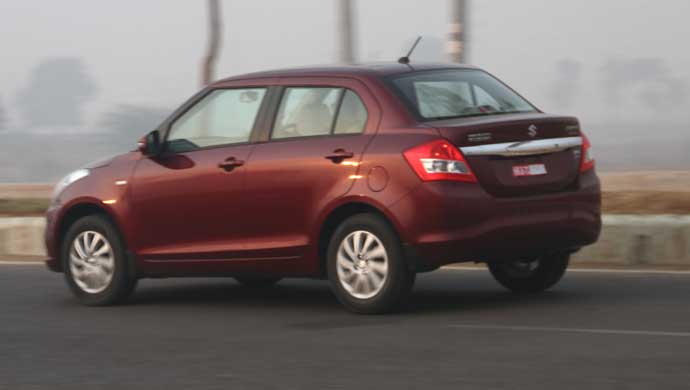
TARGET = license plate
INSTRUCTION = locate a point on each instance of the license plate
(529, 170)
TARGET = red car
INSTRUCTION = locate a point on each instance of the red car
(365, 175)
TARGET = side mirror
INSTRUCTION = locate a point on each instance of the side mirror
(149, 145)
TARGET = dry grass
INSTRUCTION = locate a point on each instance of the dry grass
(23, 207)
(646, 202)
(25, 191)
(663, 181)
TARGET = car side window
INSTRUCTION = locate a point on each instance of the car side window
(306, 111)
(352, 115)
(225, 116)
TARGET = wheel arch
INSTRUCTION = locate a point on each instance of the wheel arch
(73, 213)
(343, 210)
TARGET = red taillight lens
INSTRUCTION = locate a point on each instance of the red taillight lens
(586, 159)
(439, 160)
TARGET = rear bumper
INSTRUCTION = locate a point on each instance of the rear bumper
(447, 222)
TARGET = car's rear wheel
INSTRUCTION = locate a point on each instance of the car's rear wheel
(366, 268)
(257, 281)
(95, 262)
(531, 275)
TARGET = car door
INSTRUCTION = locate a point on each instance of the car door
(310, 157)
(187, 202)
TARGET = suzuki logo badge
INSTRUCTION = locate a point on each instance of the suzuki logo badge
(532, 131)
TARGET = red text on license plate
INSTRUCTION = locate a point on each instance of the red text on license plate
(529, 170)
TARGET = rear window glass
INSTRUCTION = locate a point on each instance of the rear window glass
(458, 93)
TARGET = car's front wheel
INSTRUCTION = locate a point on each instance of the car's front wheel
(365, 265)
(95, 262)
(530, 275)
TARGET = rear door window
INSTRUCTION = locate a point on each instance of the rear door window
(306, 112)
(352, 116)
(319, 111)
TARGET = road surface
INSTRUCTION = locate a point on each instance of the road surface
(461, 331)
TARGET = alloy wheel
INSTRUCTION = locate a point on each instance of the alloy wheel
(92, 262)
(362, 264)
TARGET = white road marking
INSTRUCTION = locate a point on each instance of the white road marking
(619, 332)
(592, 270)
(630, 271)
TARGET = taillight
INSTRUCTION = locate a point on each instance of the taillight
(439, 160)
(586, 159)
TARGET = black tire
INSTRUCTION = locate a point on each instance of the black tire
(257, 281)
(123, 279)
(399, 280)
(530, 277)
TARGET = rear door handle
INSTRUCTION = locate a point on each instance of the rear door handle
(230, 163)
(339, 155)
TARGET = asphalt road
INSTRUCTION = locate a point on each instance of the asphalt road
(461, 331)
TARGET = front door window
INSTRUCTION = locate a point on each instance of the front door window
(224, 117)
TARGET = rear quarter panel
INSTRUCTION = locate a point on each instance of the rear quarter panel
(384, 176)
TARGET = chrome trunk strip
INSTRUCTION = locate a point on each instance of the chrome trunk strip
(523, 148)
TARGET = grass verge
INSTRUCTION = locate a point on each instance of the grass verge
(23, 207)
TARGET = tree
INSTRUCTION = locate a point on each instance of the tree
(647, 82)
(128, 123)
(565, 88)
(56, 93)
(214, 32)
(346, 31)
(457, 37)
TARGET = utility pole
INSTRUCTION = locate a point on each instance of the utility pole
(346, 34)
(214, 34)
(457, 34)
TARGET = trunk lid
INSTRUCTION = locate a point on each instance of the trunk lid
(518, 154)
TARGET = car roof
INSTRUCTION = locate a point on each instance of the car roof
(356, 70)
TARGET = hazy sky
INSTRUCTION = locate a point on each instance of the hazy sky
(598, 59)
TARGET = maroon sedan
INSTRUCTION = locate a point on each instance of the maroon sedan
(364, 175)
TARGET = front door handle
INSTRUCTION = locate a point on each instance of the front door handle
(230, 163)
(339, 155)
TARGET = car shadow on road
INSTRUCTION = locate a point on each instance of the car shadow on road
(228, 292)
(474, 301)
(316, 295)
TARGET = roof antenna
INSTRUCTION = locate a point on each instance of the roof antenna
(406, 59)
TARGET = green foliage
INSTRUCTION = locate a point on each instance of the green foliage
(57, 90)
(125, 124)
(132, 121)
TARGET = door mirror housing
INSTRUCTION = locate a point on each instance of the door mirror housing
(150, 144)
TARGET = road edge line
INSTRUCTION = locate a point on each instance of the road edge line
(590, 270)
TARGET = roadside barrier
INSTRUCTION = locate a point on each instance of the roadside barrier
(635, 240)
(626, 240)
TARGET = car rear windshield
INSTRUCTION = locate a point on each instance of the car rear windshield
(457, 93)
